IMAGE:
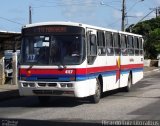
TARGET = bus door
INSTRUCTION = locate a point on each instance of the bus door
(91, 55)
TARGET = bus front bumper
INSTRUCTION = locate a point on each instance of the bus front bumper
(72, 89)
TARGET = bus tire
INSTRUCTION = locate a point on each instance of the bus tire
(96, 97)
(43, 100)
(129, 84)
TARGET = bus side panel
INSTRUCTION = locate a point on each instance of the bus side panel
(109, 83)
(110, 80)
(124, 72)
(124, 78)
(137, 76)
(138, 73)
(85, 88)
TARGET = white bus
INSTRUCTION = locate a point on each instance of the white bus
(77, 60)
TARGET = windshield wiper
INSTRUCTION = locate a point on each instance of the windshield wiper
(62, 63)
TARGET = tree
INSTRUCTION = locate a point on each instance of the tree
(150, 29)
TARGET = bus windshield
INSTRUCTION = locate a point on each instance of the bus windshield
(53, 50)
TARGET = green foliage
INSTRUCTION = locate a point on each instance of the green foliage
(150, 29)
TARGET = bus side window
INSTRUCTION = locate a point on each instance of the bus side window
(140, 46)
(136, 46)
(124, 45)
(130, 45)
(101, 43)
(92, 48)
(93, 45)
(109, 43)
(116, 43)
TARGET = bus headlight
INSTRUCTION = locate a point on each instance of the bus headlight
(63, 85)
(23, 78)
(31, 84)
(66, 85)
(25, 84)
(69, 85)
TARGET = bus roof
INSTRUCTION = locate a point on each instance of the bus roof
(66, 23)
(128, 33)
(78, 25)
(9, 32)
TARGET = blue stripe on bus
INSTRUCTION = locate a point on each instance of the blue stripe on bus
(94, 75)
(104, 74)
(79, 77)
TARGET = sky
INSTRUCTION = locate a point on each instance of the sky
(104, 13)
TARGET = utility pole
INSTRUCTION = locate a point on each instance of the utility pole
(156, 13)
(156, 10)
(30, 15)
(123, 15)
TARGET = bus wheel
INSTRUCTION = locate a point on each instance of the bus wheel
(96, 97)
(128, 87)
(43, 99)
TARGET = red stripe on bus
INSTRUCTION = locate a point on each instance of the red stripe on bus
(131, 66)
(47, 71)
(79, 70)
(95, 69)
(101, 69)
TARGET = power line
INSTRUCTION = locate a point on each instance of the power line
(11, 21)
(132, 6)
(142, 18)
(115, 22)
(60, 4)
(102, 3)
(63, 5)
(145, 16)
(69, 4)
(45, 1)
(73, 2)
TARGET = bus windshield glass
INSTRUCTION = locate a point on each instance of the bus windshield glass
(53, 49)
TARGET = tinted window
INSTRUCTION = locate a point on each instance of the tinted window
(123, 45)
(92, 48)
(109, 42)
(140, 46)
(136, 45)
(130, 45)
(116, 43)
(100, 38)
(101, 43)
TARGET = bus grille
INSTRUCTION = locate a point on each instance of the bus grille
(47, 84)
(53, 92)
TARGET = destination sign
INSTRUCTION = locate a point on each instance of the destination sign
(53, 29)
(50, 29)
